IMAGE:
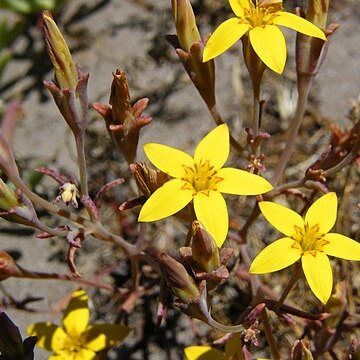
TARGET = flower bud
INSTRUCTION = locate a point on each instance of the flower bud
(123, 121)
(301, 350)
(204, 249)
(317, 12)
(8, 198)
(185, 23)
(8, 266)
(69, 193)
(254, 64)
(181, 283)
(65, 71)
(148, 180)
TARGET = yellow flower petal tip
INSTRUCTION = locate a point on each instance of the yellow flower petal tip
(307, 239)
(76, 339)
(200, 180)
(261, 22)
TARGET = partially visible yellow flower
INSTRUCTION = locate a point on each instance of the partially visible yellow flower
(307, 239)
(232, 351)
(261, 22)
(200, 179)
(76, 339)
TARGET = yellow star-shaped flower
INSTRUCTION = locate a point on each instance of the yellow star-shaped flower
(76, 339)
(200, 179)
(307, 239)
(261, 22)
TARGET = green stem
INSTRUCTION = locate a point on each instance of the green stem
(270, 335)
(304, 83)
(96, 228)
(80, 148)
(256, 107)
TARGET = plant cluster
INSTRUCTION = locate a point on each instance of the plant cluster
(212, 251)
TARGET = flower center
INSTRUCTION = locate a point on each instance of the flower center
(72, 345)
(260, 15)
(310, 238)
(201, 176)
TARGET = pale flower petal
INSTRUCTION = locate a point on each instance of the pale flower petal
(276, 256)
(323, 213)
(203, 353)
(238, 7)
(215, 147)
(45, 333)
(240, 182)
(342, 247)
(77, 314)
(167, 159)
(103, 336)
(226, 35)
(317, 270)
(211, 211)
(165, 201)
(299, 24)
(270, 46)
(281, 217)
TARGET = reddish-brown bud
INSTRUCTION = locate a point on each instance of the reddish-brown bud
(181, 283)
(148, 180)
(204, 249)
(8, 266)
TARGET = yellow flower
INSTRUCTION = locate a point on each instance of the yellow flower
(308, 239)
(200, 179)
(76, 339)
(261, 21)
(232, 351)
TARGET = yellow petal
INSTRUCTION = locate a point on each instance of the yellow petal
(211, 211)
(276, 256)
(342, 247)
(238, 7)
(226, 35)
(299, 24)
(215, 147)
(281, 217)
(166, 201)
(77, 314)
(270, 46)
(240, 182)
(317, 270)
(47, 332)
(323, 213)
(83, 354)
(103, 336)
(203, 353)
(233, 348)
(169, 160)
